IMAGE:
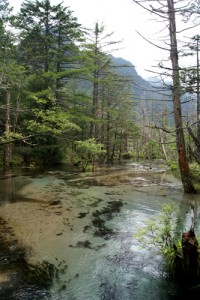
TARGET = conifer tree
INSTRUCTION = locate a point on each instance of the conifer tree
(47, 48)
(11, 79)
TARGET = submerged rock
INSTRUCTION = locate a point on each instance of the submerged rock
(101, 216)
(55, 202)
(83, 214)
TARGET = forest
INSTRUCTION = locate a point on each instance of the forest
(64, 98)
(99, 167)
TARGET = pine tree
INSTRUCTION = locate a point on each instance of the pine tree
(47, 49)
(11, 79)
(96, 61)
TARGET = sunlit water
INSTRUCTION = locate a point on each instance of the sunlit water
(114, 266)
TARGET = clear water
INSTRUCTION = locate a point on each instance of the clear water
(111, 266)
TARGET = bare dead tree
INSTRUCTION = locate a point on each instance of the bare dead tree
(166, 10)
(176, 93)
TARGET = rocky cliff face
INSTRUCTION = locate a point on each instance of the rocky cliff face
(153, 95)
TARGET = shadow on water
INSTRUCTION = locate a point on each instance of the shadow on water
(101, 212)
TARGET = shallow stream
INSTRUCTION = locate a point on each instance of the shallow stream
(85, 225)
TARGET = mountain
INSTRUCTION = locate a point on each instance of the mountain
(126, 68)
(142, 89)
(153, 95)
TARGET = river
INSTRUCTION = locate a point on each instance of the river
(81, 227)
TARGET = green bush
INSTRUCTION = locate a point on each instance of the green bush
(159, 233)
(151, 150)
(14, 163)
(88, 151)
(173, 165)
(195, 169)
(195, 173)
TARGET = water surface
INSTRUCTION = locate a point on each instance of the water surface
(85, 225)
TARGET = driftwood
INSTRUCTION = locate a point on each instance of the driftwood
(190, 256)
(190, 253)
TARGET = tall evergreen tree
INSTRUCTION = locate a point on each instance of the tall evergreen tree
(97, 61)
(11, 79)
(47, 49)
(48, 36)
(109, 92)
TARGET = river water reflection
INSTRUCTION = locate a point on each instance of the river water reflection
(85, 225)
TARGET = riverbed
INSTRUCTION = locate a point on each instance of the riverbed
(81, 228)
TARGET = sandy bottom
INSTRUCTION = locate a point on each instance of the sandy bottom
(38, 217)
(46, 213)
(55, 217)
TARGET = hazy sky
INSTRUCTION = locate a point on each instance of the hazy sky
(124, 18)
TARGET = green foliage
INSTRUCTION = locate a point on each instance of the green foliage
(197, 186)
(88, 150)
(173, 165)
(195, 173)
(48, 34)
(41, 68)
(10, 137)
(159, 233)
(12, 74)
(58, 86)
(54, 121)
(151, 150)
(112, 117)
(15, 162)
(48, 118)
(195, 169)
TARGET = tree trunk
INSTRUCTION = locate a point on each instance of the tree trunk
(176, 93)
(198, 91)
(163, 145)
(7, 152)
(93, 125)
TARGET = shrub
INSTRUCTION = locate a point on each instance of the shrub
(159, 233)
